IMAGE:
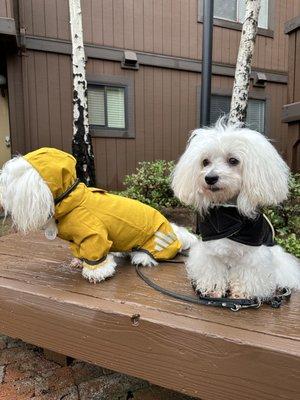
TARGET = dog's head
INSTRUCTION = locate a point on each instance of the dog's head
(225, 163)
(29, 184)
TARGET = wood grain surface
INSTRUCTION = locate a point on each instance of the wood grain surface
(125, 325)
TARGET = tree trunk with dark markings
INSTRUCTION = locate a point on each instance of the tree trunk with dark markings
(240, 91)
(81, 144)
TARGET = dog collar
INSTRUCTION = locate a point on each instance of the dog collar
(67, 192)
(226, 222)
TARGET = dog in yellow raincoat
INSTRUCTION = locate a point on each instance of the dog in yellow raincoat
(41, 189)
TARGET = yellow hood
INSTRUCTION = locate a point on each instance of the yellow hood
(56, 167)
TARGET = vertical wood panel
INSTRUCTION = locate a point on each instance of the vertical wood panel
(97, 22)
(38, 17)
(184, 101)
(118, 19)
(148, 25)
(167, 115)
(86, 7)
(297, 67)
(158, 113)
(15, 99)
(32, 100)
(42, 105)
(139, 115)
(108, 32)
(175, 24)
(54, 101)
(175, 113)
(184, 28)
(148, 115)
(128, 24)
(66, 89)
(63, 19)
(51, 19)
(193, 29)
(167, 27)
(158, 26)
(138, 23)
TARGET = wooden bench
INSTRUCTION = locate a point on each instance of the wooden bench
(124, 325)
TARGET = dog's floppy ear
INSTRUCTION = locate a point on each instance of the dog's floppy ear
(265, 174)
(185, 176)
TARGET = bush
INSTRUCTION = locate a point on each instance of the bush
(286, 219)
(151, 184)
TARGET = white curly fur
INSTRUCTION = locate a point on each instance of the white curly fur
(25, 196)
(259, 179)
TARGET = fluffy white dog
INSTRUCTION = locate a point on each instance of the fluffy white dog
(228, 173)
(41, 189)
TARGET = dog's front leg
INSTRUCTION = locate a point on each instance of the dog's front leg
(253, 275)
(208, 273)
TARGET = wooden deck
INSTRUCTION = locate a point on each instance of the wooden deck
(124, 325)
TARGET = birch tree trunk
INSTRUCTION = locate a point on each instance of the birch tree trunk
(81, 143)
(240, 91)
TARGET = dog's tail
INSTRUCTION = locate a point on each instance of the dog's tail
(186, 238)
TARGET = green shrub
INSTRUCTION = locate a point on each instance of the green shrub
(286, 219)
(151, 184)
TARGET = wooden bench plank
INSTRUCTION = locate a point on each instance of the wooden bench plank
(208, 353)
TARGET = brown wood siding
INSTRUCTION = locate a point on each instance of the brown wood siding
(158, 26)
(6, 9)
(165, 111)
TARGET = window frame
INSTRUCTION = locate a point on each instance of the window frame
(254, 94)
(235, 25)
(114, 81)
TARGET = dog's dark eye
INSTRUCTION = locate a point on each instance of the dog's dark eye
(233, 161)
(205, 162)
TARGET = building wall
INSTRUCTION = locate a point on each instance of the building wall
(6, 9)
(166, 110)
(166, 103)
(167, 27)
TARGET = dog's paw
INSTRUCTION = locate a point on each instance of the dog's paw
(104, 270)
(76, 263)
(141, 258)
(211, 292)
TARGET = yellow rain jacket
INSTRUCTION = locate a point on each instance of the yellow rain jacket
(96, 222)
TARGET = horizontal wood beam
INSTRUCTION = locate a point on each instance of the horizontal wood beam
(291, 112)
(7, 26)
(147, 59)
(292, 25)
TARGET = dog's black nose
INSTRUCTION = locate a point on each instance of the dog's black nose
(211, 179)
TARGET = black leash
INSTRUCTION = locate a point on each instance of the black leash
(224, 302)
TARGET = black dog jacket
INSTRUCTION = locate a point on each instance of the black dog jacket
(226, 222)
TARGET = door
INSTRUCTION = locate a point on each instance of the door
(5, 151)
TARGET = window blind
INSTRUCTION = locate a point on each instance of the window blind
(220, 105)
(234, 10)
(115, 107)
(96, 106)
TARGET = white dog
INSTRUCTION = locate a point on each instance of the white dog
(228, 173)
(41, 189)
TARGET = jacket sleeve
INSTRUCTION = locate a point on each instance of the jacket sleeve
(93, 246)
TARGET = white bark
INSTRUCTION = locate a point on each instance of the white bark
(243, 66)
(82, 147)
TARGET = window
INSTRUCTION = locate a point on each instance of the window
(231, 14)
(106, 106)
(234, 10)
(255, 120)
(110, 106)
